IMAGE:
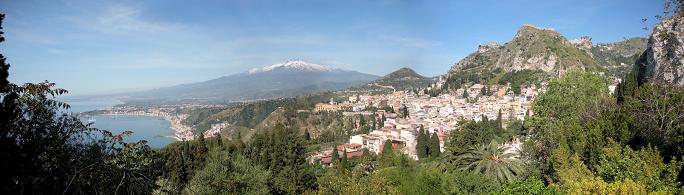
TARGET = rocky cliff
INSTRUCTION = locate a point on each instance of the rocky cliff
(535, 51)
(663, 60)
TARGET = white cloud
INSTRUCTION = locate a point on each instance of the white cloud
(123, 19)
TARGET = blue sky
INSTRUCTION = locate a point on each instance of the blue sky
(98, 47)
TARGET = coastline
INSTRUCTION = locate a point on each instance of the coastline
(181, 132)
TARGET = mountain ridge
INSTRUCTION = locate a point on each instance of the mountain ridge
(538, 54)
(287, 79)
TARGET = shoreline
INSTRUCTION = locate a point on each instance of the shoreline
(181, 131)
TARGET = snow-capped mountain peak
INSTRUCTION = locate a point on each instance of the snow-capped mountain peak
(295, 66)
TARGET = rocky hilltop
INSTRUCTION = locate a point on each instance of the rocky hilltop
(533, 54)
(532, 48)
(663, 60)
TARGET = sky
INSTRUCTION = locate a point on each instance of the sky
(99, 47)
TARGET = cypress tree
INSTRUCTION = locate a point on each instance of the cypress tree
(344, 164)
(335, 156)
(374, 123)
(421, 146)
(499, 122)
(219, 141)
(405, 112)
(307, 136)
(387, 148)
(434, 148)
(362, 121)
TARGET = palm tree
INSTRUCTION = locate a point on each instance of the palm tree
(492, 161)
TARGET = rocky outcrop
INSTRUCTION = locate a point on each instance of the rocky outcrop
(532, 48)
(663, 60)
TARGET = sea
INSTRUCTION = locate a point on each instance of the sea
(148, 128)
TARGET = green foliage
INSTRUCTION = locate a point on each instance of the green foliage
(563, 112)
(463, 182)
(492, 161)
(522, 77)
(387, 148)
(644, 166)
(473, 133)
(528, 186)
(282, 151)
(659, 111)
(422, 144)
(46, 151)
(354, 183)
(434, 148)
(226, 175)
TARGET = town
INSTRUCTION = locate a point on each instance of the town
(436, 115)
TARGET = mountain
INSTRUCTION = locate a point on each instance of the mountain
(535, 54)
(619, 57)
(404, 78)
(663, 60)
(292, 78)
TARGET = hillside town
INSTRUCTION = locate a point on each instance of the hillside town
(441, 115)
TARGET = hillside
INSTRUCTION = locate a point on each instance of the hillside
(287, 79)
(619, 57)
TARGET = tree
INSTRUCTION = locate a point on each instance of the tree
(282, 150)
(422, 145)
(434, 145)
(387, 148)
(492, 161)
(335, 156)
(307, 136)
(344, 164)
(46, 151)
(362, 121)
(405, 112)
(219, 141)
(528, 186)
(4, 66)
(643, 166)
(223, 175)
(499, 121)
(374, 123)
(465, 93)
(352, 123)
(469, 135)
(569, 103)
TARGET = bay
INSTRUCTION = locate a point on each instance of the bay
(148, 128)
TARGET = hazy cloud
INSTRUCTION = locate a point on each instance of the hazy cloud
(122, 19)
